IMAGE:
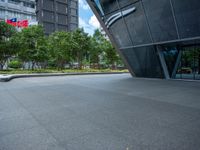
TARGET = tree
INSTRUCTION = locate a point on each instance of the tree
(103, 47)
(33, 45)
(97, 48)
(6, 48)
(61, 45)
(81, 46)
(111, 55)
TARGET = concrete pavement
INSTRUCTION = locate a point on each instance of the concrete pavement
(99, 112)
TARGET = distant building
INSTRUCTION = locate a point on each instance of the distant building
(20, 9)
(56, 15)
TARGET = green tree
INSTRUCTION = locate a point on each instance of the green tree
(97, 48)
(6, 48)
(102, 51)
(61, 45)
(33, 45)
(81, 47)
(112, 58)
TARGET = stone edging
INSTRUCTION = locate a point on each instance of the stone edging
(6, 78)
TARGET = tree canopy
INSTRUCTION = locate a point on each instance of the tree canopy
(6, 46)
(61, 48)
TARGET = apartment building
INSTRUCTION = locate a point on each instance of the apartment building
(20, 9)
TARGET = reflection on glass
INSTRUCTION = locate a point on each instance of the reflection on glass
(189, 67)
(144, 62)
(170, 54)
(109, 6)
(160, 19)
(197, 63)
(186, 14)
(137, 26)
(99, 7)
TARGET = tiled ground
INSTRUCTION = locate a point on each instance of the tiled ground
(99, 112)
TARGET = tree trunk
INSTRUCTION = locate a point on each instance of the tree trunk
(33, 65)
(98, 65)
(113, 66)
(1, 66)
(23, 66)
(29, 65)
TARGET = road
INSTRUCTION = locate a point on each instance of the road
(99, 112)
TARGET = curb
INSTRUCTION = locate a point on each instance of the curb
(6, 78)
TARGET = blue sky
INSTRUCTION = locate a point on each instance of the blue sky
(87, 20)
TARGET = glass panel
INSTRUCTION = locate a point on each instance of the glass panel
(170, 54)
(189, 67)
(186, 66)
(160, 18)
(187, 14)
(197, 63)
(99, 7)
(109, 6)
(124, 3)
(119, 31)
(144, 62)
(112, 17)
(137, 26)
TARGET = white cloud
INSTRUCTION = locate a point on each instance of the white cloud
(94, 22)
(89, 26)
(82, 23)
(83, 5)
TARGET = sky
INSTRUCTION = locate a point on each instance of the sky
(87, 19)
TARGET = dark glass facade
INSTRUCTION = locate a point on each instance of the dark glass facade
(156, 38)
(57, 15)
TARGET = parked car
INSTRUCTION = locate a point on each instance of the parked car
(185, 70)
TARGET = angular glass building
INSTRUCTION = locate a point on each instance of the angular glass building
(156, 38)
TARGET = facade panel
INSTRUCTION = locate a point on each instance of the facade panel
(137, 27)
(49, 27)
(126, 3)
(62, 19)
(187, 15)
(48, 4)
(48, 16)
(108, 6)
(160, 19)
(144, 62)
(118, 30)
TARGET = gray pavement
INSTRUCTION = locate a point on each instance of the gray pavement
(99, 112)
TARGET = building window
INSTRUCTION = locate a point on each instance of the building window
(2, 12)
(14, 1)
(30, 5)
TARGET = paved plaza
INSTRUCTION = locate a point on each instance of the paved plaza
(99, 112)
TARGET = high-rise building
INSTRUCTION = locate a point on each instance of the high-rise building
(20, 9)
(56, 15)
(155, 38)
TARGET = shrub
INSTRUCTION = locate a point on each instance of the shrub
(15, 64)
